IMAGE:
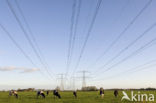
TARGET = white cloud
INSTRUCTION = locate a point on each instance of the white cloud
(30, 70)
(7, 68)
(22, 69)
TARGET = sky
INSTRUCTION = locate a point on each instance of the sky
(50, 23)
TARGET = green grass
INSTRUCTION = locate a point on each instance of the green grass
(67, 97)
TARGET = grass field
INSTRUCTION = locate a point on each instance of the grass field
(67, 97)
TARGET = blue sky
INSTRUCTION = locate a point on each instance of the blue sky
(50, 22)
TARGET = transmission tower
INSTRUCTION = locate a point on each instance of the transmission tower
(73, 83)
(84, 78)
(61, 81)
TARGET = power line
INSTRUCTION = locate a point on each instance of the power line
(30, 31)
(124, 31)
(88, 34)
(122, 11)
(128, 46)
(114, 22)
(73, 31)
(16, 44)
(19, 47)
(76, 24)
(135, 69)
(27, 37)
(143, 68)
(147, 45)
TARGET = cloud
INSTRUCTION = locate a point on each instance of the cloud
(22, 69)
(7, 68)
(30, 70)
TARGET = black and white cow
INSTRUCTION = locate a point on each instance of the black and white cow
(115, 93)
(40, 93)
(101, 92)
(14, 93)
(56, 94)
(75, 94)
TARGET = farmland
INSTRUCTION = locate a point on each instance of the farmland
(67, 97)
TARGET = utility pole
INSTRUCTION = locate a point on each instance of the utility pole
(73, 83)
(61, 81)
(84, 78)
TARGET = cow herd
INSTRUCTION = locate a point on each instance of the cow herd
(41, 94)
(56, 93)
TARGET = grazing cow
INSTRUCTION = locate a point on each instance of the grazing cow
(10, 93)
(75, 94)
(47, 93)
(56, 93)
(115, 93)
(101, 92)
(40, 93)
(15, 94)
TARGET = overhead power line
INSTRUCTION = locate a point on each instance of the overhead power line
(124, 31)
(31, 33)
(76, 25)
(73, 31)
(27, 37)
(127, 3)
(88, 34)
(128, 46)
(131, 70)
(19, 47)
(147, 45)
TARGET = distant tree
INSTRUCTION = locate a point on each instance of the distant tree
(149, 88)
(89, 88)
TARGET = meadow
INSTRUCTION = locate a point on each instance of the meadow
(67, 97)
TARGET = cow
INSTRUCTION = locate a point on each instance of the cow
(47, 93)
(115, 93)
(10, 93)
(56, 93)
(101, 92)
(14, 93)
(75, 94)
(40, 93)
